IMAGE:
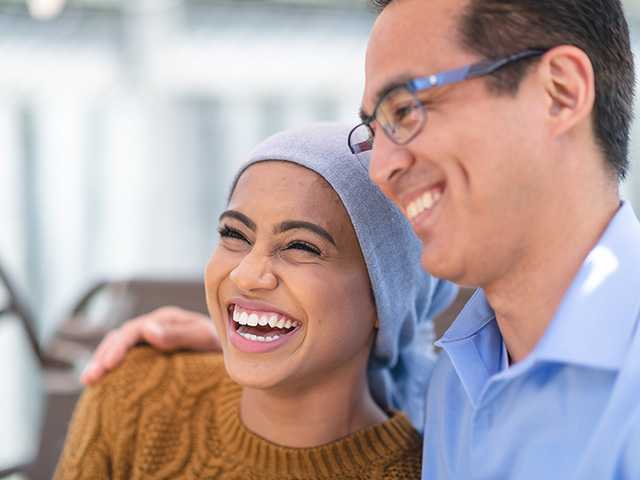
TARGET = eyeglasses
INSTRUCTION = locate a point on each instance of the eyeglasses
(402, 115)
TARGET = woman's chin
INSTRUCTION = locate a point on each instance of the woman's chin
(257, 375)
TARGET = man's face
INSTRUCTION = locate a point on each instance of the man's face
(474, 157)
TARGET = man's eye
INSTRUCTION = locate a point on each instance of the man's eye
(304, 246)
(228, 232)
(403, 111)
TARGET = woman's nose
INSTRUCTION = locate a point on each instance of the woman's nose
(254, 272)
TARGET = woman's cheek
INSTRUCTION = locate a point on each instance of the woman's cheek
(216, 271)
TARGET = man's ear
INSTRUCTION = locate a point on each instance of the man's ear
(567, 75)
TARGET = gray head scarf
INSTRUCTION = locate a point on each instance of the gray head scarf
(406, 297)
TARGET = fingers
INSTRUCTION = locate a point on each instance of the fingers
(172, 328)
(167, 329)
(122, 341)
(95, 368)
(112, 350)
(162, 328)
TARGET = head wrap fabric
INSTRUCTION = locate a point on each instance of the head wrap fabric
(406, 297)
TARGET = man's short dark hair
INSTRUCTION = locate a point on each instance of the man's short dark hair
(494, 28)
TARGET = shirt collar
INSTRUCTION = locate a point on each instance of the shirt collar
(596, 320)
(475, 315)
(598, 315)
(474, 346)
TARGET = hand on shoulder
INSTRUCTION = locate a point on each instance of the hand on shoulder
(166, 329)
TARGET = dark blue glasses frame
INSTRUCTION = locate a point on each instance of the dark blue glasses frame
(416, 85)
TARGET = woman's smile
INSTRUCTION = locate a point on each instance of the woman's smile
(259, 329)
(287, 283)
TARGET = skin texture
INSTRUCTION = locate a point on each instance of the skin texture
(312, 389)
(522, 175)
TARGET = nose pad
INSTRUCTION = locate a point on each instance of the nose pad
(254, 274)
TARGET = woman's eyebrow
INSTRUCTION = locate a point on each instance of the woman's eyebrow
(241, 217)
(317, 229)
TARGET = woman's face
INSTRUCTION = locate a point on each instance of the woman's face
(287, 286)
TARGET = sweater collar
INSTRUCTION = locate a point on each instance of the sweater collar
(379, 444)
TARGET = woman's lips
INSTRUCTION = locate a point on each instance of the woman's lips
(259, 331)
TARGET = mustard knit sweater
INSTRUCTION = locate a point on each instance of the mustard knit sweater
(177, 416)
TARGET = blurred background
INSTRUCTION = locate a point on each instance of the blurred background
(121, 124)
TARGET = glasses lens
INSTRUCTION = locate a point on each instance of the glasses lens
(401, 115)
(361, 139)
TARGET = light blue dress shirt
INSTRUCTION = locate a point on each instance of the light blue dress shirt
(571, 409)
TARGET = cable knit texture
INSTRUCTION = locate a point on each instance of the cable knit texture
(177, 416)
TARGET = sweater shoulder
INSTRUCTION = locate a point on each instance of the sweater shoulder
(145, 369)
(406, 466)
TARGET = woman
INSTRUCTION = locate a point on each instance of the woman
(317, 351)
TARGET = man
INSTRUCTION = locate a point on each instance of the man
(510, 179)
(509, 172)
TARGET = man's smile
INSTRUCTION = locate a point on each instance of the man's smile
(423, 201)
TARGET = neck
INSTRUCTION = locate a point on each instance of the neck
(312, 414)
(527, 296)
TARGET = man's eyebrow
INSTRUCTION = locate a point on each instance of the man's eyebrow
(317, 229)
(241, 217)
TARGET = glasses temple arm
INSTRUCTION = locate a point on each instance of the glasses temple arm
(489, 66)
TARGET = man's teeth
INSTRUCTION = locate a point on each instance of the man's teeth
(254, 319)
(426, 201)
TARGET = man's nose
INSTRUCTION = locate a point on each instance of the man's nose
(388, 162)
(254, 272)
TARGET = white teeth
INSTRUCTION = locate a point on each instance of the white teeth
(254, 319)
(258, 338)
(426, 201)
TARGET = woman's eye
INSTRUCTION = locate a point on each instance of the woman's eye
(304, 246)
(228, 232)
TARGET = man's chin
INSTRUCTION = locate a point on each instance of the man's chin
(440, 265)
